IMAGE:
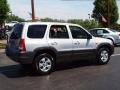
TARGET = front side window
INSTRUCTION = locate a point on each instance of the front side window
(58, 31)
(36, 31)
(78, 33)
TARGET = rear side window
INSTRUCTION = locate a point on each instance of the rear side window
(59, 32)
(36, 31)
(17, 31)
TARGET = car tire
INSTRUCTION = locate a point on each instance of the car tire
(44, 64)
(103, 56)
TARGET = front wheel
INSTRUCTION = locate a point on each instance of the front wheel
(103, 56)
(44, 64)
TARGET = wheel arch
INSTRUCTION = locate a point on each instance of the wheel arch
(48, 50)
(112, 39)
(106, 45)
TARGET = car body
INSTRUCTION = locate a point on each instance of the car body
(107, 33)
(43, 44)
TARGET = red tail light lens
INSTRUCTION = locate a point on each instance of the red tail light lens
(22, 45)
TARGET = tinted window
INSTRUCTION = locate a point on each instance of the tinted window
(36, 31)
(58, 31)
(101, 31)
(105, 31)
(17, 31)
(93, 32)
(78, 33)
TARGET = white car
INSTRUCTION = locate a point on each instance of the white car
(43, 44)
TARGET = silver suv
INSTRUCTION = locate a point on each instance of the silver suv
(42, 44)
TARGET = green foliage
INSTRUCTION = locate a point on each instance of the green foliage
(51, 20)
(4, 9)
(2, 46)
(108, 9)
(88, 24)
(116, 26)
(14, 18)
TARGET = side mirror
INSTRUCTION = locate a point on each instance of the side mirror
(89, 36)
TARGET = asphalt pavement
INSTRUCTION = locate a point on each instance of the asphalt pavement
(79, 75)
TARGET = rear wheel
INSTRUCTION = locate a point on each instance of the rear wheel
(103, 56)
(44, 64)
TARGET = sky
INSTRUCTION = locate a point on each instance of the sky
(56, 9)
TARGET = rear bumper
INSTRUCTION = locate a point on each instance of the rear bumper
(23, 58)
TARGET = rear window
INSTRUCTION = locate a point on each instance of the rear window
(36, 31)
(17, 31)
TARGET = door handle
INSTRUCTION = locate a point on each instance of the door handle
(54, 43)
(77, 43)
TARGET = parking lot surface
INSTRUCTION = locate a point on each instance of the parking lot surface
(79, 75)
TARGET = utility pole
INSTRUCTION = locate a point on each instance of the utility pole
(33, 10)
(108, 14)
(89, 16)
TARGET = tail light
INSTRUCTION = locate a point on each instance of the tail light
(22, 45)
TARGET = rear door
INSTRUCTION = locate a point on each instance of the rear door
(60, 40)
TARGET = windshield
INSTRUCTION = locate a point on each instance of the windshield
(113, 30)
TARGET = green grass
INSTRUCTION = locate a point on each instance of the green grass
(2, 46)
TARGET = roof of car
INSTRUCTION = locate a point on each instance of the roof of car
(49, 23)
(99, 28)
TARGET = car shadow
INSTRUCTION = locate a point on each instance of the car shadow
(17, 71)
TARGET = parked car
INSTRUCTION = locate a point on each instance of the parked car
(2, 33)
(9, 26)
(108, 33)
(43, 44)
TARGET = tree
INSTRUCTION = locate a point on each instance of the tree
(51, 20)
(4, 9)
(88, 24)
(14, 18)
(106, 12)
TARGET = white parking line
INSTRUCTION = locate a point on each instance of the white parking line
(116, 55)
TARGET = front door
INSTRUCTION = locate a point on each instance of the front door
(83, 44)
